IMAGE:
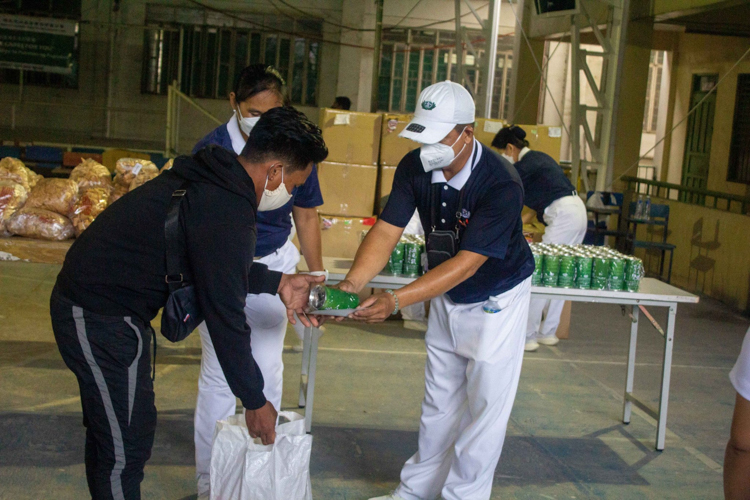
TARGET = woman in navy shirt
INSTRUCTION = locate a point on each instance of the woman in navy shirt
(258, 89)
(549, 192)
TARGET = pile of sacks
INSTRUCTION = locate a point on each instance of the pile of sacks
(58, 209)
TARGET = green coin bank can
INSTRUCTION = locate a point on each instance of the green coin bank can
(412, 259)
(566, 278)
(551, 271)
(323, 298)
(616, 274)
(600, 273)
(584, 264)
(395, 264)
(536, 278)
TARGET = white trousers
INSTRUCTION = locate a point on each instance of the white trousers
(266, 316)
(471, 376)
(566, 221)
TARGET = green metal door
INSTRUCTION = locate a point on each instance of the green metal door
(698, 139)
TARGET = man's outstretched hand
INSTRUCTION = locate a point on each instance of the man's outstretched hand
(261, 423)
(294, 291)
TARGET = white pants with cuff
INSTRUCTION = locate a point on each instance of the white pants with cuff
(566, 221)
(471, 376)
(266, 316)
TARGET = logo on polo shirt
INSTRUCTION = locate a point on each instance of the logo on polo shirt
(465, 214)
(428, 105)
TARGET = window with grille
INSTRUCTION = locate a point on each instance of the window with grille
(67, 9)
(739, 152)
(412, 60)
(206, 60)
(653, 90)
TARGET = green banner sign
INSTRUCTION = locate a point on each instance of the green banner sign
(37, 44)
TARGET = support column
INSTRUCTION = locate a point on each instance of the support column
(525, 82)
(355, 64)
(629, 119)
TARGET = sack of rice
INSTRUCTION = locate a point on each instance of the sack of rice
(128, 169)
(118, 192)
(91, 174)
(13, 169)
(12, 197)
(39, 223)
(89, 205)
(57, 195)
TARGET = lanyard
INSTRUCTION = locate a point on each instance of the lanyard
(435, 197)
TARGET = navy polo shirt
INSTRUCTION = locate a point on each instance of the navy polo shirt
(493, 200)
(543, 181)
(275, 226)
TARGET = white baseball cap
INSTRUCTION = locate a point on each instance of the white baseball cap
(441, 107)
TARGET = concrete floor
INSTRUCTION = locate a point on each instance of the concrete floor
(565, 438)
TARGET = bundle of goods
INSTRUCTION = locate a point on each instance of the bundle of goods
(12, 197)
(406, 258)
(40, 223)
(90, 174)
(133, 172)
(55, 195)
(12, 169)
(585, 267)
(90, 204)
(118, 192)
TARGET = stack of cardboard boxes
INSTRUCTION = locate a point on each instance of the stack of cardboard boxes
(348, 178)
(392, 149)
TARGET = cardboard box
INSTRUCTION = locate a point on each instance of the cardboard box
(545, 139)
(563, 330)
(385, 183)
(351, 137)
(541, 137)
(393, 147)
(341, 236)
(485, 130)
(348, 190)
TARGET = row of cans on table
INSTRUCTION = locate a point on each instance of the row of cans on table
(585, 267)
(406, 258)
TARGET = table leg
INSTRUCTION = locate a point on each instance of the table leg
(306, 343)
(666, 374)
(315, 337)
(628, 405)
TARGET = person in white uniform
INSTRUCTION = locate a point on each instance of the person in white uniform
(737, 456)
(258, 89)
(549, 192)
(469, 200)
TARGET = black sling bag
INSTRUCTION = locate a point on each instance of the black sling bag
(182, 313)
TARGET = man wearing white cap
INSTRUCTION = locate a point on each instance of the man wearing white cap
(470, 201)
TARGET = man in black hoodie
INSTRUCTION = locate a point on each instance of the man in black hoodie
(112, 285)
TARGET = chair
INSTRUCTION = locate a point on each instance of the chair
(43, 157)
(659, 217)
(11, 151)
(597, 229)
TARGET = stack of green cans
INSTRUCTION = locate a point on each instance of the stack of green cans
(585, 267)
(406, 258)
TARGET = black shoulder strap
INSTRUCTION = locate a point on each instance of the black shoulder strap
(175, 277)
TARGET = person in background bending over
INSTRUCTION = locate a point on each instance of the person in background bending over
(342, 102)
(737, 456)
(259, 88)
(549, 192)
(470, 201)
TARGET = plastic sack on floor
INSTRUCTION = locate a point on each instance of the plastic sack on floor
(89, 205)
(90, 174)
(244, 469)
(12, 197)
(41, 224)
(13, 169)
(56, 195)
(127, 169)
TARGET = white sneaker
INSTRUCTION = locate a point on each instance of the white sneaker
(392, 496)
(548, 340)
(531, 346)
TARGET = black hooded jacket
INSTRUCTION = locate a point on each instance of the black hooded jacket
(117, 266)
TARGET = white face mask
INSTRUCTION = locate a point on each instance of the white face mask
(271, 200)
(435, 156)
(246, 124)
(509, 158)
